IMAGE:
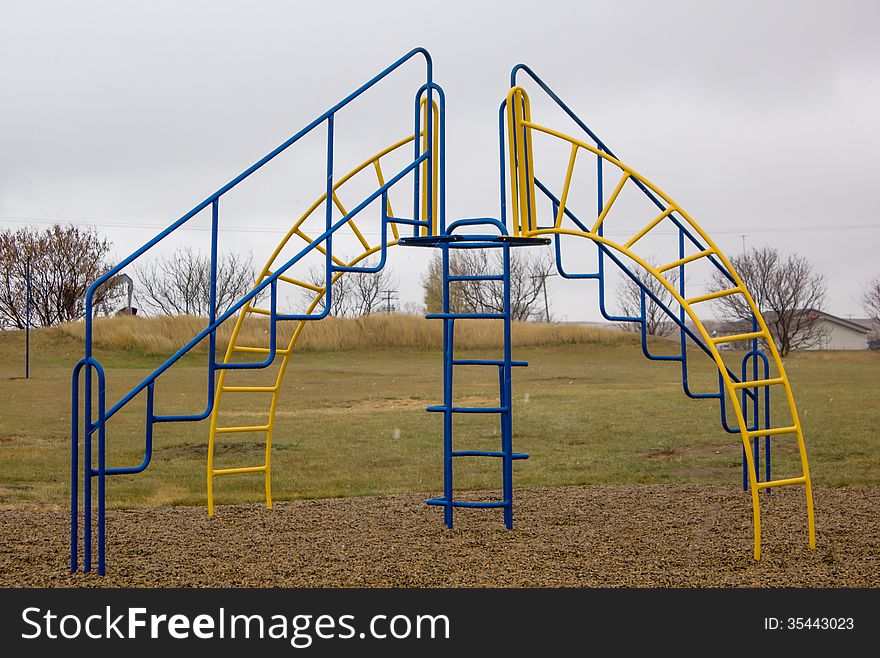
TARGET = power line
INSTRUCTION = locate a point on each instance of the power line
(257, 229)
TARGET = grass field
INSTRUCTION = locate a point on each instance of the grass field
(590, 409)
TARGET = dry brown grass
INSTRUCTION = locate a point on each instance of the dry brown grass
(164, 335)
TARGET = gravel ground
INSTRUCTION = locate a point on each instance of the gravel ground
(591, 536)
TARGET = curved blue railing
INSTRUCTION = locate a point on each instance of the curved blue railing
(749, 395)
(89, 367)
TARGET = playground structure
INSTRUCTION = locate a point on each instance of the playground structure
(520, 225)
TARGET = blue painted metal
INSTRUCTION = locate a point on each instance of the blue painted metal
(685, 236)
(445, 239)
(447, 242)
(89, 367)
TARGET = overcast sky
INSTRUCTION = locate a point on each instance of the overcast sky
(759, 118)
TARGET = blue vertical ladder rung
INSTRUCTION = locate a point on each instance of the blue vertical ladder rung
(468, 410)
(466, 316)
(489, 504)
(488, 362)
(476, 277)
(488, 453)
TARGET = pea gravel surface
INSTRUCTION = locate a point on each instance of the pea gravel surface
(584, 536)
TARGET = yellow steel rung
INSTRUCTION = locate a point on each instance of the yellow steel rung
(249, 389)
(659, 218)
(258, 311)
(244, 428)
(243, 469)
(759, 382)
(256, 350)
(686, 260)
(297, 282)
(773, 431)
(713, 295)
(781, 483)
(735, 338)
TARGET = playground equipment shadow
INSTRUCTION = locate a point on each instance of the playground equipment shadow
(591, 536)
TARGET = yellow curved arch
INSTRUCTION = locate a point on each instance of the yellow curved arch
(520, 128)
(320, 291)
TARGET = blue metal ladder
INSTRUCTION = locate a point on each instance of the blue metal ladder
(505, 365)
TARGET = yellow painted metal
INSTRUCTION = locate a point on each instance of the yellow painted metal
(607, 208)
(781, 483)
(638, 236)
(735, 338)
(256, 310)
(685, 260)
(256, 350)
(774, 431)
(351, 223)
(241, 469)
(242, 428)
(388, 210)
(713, 295)
(301, 284)
(519, 127)
(296, 231)
(522, 179)
(563, 199)
(759, 382)
(250, 389)
(435, 169)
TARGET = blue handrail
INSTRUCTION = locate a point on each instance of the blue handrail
(89, 363)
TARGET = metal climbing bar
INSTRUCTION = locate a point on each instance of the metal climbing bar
(426, 155)
(746, 411)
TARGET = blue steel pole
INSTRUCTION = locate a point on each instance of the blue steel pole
(101, 472)
(448, 348)
(506, 427)
(87, 463)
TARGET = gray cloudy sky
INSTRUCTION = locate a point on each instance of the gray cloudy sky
(759, 118)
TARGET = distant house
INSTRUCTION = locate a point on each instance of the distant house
(836, 333)
(842, 334)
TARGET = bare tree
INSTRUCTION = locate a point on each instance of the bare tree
(629, 293)
(354, 294)
(65, 260)
(871, 299)
(528, 275)
(786, 290)
(180, 284)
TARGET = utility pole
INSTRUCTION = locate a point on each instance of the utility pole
(27, 320)
(389, 295)
(544, 278)
(743, 236)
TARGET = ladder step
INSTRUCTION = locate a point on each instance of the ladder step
(488, 453)
(713, 295)
(686, 260)
(781, 483)
(256, 350)
(249, 389)
(466, 316)
(297, 282)
(759, 382)
(245, 428)
(487, 362)
(469, 503)
(243, 469)
(476, 277)
(409, 222)
(735, 338)
(259, 311)
(773, 431)
(469, 410)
